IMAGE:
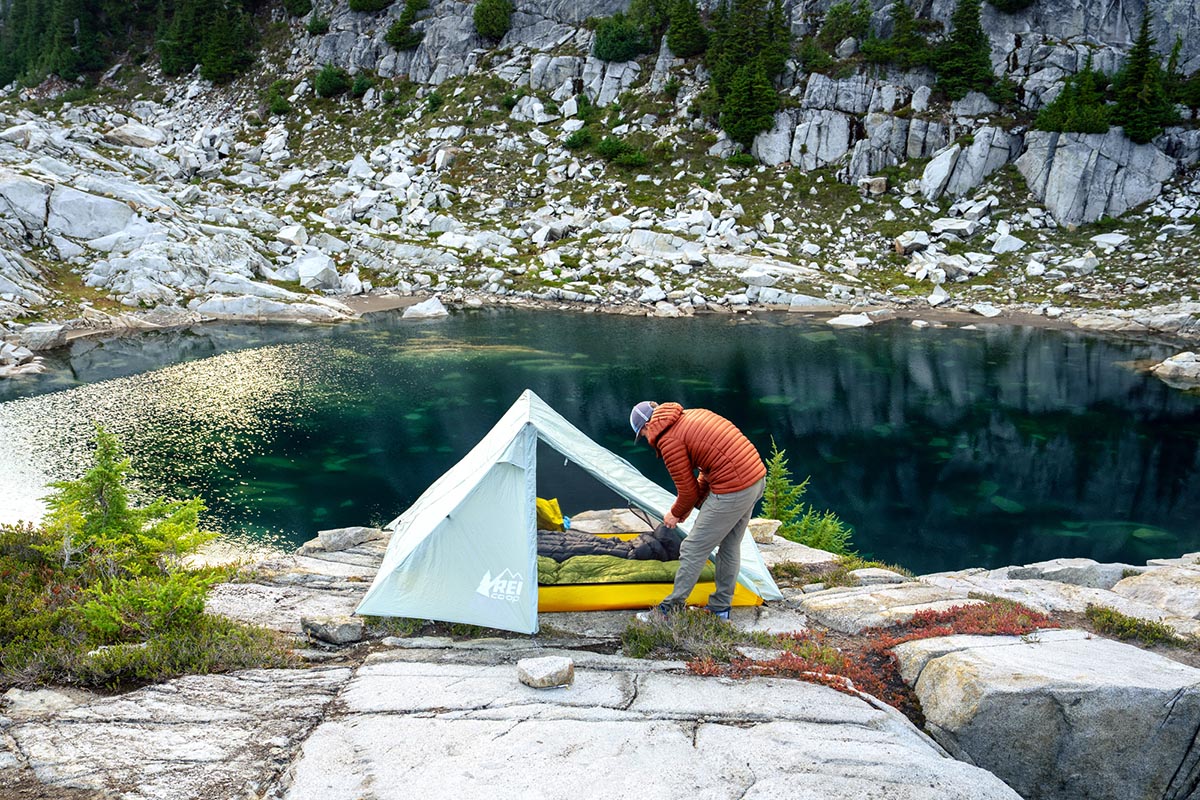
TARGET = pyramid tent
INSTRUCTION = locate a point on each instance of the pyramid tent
(466, 550)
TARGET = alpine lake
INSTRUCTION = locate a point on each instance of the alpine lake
(943, 448)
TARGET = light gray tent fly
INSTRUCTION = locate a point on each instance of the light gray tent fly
(466, 550)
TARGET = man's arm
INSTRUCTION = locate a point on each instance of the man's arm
(687, 490)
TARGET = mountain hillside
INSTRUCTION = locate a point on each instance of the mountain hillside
(949, 153)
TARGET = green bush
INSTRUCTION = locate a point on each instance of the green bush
(741, 160)
(963, 62)
(331, 81)
(672, 87)
(1143, 106)
(362, 84)
(631, 159)
(1189, 93)
(297, 8)
(843, 20)
(493, 18)
(369, 6)
(317, 25)
(782, 500)
(579, 139)
(746, 31)
(907, 47)
(1111, 622)
(749, 107)
(619, 39)
(400, 33)
(277, 97)
(97, 595)
(813, 57)
(434, 101)
(686, 36)
(651, 16)
(611, 147)
(1081, 105)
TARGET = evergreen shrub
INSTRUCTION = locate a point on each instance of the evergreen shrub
(493, 18)
(842, 20)
(686, 35)
(1080, 106)
(749, 107)
(277, 98)
(317, 26)
(618, 38)
(98, 594)
(782, 500)
(579, 139)
(362, 84)
(1142, 107)
(369, 6)
(611, 147)
(331, 81)
(963, 62)
(297, 8)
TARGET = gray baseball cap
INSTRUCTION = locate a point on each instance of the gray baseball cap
(640, 415)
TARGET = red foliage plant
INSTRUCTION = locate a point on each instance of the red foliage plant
(869, 665)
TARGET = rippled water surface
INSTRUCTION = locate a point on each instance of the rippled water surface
(944, 448)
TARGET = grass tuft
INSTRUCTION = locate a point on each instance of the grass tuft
(1111, 622)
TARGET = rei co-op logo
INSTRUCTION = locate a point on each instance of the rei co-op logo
(505, 586)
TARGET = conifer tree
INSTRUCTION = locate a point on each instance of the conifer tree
(1142, 107)
(964, 62)
(685, 34)
(492, 18)
(1080, 106)
(749, 107)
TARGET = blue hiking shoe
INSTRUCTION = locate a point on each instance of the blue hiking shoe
(657, 614)
(718, 614)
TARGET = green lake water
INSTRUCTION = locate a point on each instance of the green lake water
(943, 448)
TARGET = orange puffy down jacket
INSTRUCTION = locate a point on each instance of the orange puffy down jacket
(697, 439)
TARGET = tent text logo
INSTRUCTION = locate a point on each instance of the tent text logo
(505, 586)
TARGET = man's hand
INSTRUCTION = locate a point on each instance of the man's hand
(670, 520)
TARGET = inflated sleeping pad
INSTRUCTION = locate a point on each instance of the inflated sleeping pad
(610, 569)
(661, 544)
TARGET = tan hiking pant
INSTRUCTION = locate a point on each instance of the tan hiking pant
(721, 524)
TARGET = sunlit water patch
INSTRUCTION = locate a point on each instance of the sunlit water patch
(944, 449)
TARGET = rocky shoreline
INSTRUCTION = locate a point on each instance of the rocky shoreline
(1029, 716)
(179, 201)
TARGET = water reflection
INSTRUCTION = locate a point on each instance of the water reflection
(944, 448)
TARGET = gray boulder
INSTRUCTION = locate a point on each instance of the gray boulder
(23, 201)
(334, 630)
(1081, 177)
(546, 672)
(344, 538)
(821, 138)
(1181, 370)
(80, 215)
(261, 308)
(1176, 590)
(316, 270)
(427, 309)
(1075, 571)
(134, 134)
(1061, 715)
(774, 147)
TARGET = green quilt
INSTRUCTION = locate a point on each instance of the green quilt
(610, 569)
